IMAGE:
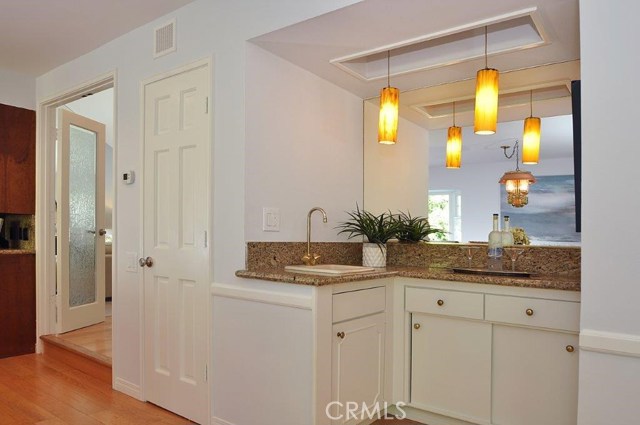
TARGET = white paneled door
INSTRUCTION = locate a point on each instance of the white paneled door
(176, 212)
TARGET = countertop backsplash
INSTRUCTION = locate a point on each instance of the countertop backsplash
(546, 260)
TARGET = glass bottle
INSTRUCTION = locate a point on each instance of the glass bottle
(495, 246)
(507, 236)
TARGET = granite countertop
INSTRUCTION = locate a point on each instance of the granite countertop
(16, 251)
(561, 282)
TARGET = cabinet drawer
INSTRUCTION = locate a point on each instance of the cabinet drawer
(562, 315)
(349, 305)
(448, 303)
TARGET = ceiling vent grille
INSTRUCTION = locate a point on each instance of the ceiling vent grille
(165, 39)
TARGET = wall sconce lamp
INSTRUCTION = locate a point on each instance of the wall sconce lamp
(454, 143)
(531, 137)
(516, 182)
(388, 119)
(486, 107)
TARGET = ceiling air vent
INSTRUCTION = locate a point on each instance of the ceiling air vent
(165, 39)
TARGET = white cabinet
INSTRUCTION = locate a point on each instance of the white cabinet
(451, 366)
(491, 355)
(535, 376)
(358, 366)
(535, 371)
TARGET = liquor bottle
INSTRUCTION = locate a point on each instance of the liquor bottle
(507, 236)
(495, 246)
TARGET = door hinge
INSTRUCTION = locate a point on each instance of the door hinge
(206, 373)
(206, 105)
(206, 241)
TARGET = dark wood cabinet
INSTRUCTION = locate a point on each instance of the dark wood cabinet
(17, 304)
(17, 160)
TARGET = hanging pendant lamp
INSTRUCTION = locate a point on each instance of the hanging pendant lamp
(531, 137)
(486, 108)
(516, 182)
(388, 119)
(454, 143)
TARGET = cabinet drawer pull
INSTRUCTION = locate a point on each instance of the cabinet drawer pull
(440, 303)
(416, 326)
(529, 312)
(570, 348)
(340, 335)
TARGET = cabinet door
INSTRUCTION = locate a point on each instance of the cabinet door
(18, 168)
(357, 367)
(17, 304)
(451, 367)
(535, 377)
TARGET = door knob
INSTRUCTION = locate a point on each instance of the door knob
(145, 262)
(102, 232)
(340, 335)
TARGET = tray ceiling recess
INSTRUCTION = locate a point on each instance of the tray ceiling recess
(505, 33)
(507, 99)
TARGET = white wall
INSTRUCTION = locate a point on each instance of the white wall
(206, 28)
(17, 89)
(609, 383)
(303, 149)
(480, 190)
(396, 176)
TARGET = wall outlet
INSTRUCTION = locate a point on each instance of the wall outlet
(132, 262)
(270, 219)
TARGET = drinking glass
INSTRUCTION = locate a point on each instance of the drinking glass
(470, 251)
(514, 252)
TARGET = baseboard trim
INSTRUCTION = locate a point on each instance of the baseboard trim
(610, 343)
(128, 388)
(218, 421)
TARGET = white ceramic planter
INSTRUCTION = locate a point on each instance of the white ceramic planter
(374, 255)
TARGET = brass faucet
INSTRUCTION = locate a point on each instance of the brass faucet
(311, 259)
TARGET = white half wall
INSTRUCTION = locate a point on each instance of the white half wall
(303, 149)
(480, 190)
(215, 29)
(609, 383)
(396, 176)
(17, 89)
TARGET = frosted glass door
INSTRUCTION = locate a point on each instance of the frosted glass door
(80, 221)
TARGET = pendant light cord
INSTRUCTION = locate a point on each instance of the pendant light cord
(454, 114)
(515, 151)
(531, 102)
(388, 68)
(486, 66)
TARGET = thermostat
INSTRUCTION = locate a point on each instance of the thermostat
(129, 177)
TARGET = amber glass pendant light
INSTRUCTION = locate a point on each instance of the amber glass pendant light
(454, 143)
(486, 108)
(388, 120)
(531, 137)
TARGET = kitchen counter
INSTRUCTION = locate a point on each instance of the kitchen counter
(16, 251)
(561, 282)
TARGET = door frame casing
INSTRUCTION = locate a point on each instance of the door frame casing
(46, 133)
(208, 63)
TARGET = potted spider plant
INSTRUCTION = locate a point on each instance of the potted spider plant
(413, 229)
(377, 229)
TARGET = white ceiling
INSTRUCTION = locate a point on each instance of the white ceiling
(37, 36)
(379, 25)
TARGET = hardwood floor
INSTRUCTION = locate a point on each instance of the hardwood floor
(36, 389)
(92, 341)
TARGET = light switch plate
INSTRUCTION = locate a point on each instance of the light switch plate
(132, 262)
(270, 219)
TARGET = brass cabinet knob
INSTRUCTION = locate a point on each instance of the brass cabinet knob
(416, 326)
(570, 348)
(529, 312)
(440, 303)
(340, 335)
